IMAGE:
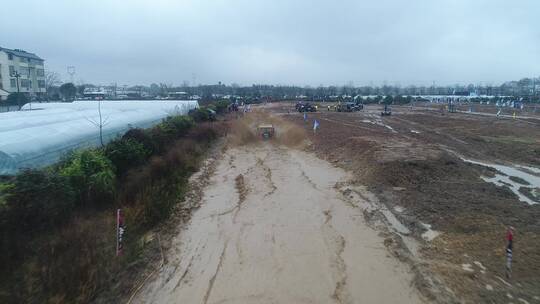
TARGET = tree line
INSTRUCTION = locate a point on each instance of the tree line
(525, 87)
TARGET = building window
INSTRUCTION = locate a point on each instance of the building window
(40, 72)
(13, 82)
(22, 59)
(10, 56)
(25, 83)
(41, 84)
(11, 70)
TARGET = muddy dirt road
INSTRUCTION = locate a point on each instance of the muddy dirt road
(274, 227)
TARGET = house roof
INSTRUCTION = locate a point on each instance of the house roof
(21, 53)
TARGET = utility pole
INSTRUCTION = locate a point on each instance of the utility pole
(17, 76)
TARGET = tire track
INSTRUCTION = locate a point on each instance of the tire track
(267, 175)
(336, 243)
(213, 278)
(340, 291)
(184, 274)
(242, 190)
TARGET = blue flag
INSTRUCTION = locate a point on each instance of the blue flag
(315, 125)
(305, 116)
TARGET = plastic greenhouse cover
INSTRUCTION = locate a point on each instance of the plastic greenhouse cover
(42, 132)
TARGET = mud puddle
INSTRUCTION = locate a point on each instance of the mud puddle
(519, 179)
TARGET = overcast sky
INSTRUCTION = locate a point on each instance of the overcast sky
(302, 42)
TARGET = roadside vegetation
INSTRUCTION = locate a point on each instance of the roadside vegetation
(57, 224)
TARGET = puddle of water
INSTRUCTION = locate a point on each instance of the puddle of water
(429, 234)
(411, 244)
(503, 179)
(389, 127)
(467, 267)
(399, 209)
(379, 122)
(394, 222)
(529, 169)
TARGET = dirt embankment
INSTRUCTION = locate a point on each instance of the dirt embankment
(410, 161)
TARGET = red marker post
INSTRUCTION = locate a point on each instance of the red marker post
(509, 249)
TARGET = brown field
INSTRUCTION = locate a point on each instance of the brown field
(412, 161)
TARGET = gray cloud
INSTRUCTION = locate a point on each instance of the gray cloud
(305, 42)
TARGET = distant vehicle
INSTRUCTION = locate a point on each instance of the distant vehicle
(306, 108)
(345, 107)
(265, 131)
(349, 107)
(386, 111)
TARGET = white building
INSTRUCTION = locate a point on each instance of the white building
(29, 69)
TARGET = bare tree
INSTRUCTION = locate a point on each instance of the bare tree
(163, 89)
(100, 124)
(52, 79)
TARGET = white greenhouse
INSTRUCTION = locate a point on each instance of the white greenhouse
(41, 133)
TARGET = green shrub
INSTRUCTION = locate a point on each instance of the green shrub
(388, 99)
(180, 124)
(170, 129)
(38, 199)
(220, 107)
(141, 136)
(92, 175)
(126, 154)
(4, 188)
(202, 114)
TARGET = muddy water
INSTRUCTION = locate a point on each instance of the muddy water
(273, 228)
(528, 174)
